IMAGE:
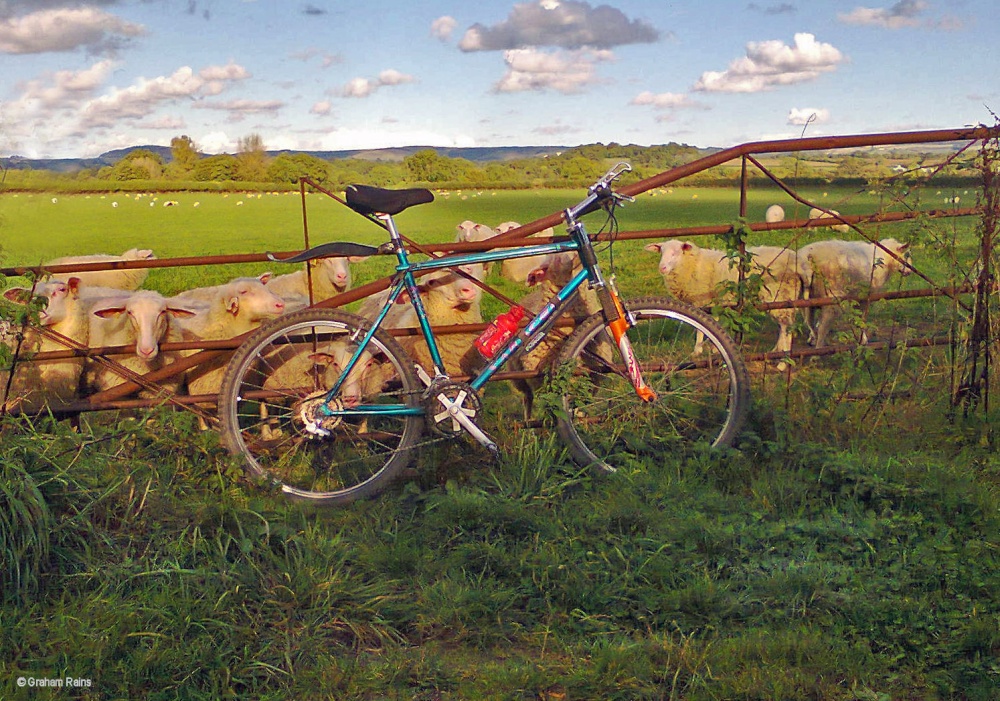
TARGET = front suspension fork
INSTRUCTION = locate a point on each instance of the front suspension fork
(619, 322)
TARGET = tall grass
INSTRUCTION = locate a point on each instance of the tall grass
(785, 569)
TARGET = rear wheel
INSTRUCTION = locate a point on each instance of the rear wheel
(272, 401)
(699, 397)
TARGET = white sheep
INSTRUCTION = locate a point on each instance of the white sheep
(449, 299)
(836, 268)
(229, 310)
(38, 384)
(815, 213)
(330, 277)
(775, 213)
(517, 269)
(551, 275)
(470, 232)
(693, 275)
(144, 318)
(120, 279)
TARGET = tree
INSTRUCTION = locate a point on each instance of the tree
(251, 159)
(138, 164)
(184, 156)
(216, 168)
(423, 165)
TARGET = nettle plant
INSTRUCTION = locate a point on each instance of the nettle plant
(741, 316)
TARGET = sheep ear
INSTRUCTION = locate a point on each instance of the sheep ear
(18, 295)
(180, 313)
(535, 276)
(109, 312)
(264, 277)
(233, 305)
(73, 285)
(356, 259)
(686, 246)
(145, 254)
(652, 247)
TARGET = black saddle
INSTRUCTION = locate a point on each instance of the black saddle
(365, 199)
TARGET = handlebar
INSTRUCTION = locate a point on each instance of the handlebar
(599, 193)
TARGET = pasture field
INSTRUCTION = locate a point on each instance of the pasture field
(847, 550)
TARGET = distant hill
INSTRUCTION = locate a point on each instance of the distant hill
(481, 154)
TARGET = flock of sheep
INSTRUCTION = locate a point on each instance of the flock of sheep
(107, 308)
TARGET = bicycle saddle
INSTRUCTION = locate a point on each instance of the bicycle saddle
(365, 199)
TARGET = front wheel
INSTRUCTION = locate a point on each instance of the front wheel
(275, 412)
(699, 396)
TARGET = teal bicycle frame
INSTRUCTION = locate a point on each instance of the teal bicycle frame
(529, 337)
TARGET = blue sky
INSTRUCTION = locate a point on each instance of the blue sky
(83, 77)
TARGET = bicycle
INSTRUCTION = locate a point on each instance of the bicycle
(327, 406)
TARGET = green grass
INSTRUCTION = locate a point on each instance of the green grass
(783, 572)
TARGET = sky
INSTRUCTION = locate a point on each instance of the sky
(81, 77)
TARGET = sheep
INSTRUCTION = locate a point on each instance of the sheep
(816, 213)
(551, 275)
(144, 318)
(38, 384)
(692, 274)
(203, 295)
(836, 268)
(449, 299)
(229, 310)
(469, 232)
(517, 269)
(330, 277)
(131, 279)
(775, 213)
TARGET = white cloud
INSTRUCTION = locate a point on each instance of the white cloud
(666, 100)
(66, 29)
(216, 142)
(800, 116)
(326, 58)
(166, 122)
(904, 13)
(569, 24)
(364, 87)
(768, 64)
(442, 27)
(321, 108)
(63, 89)
(241, 108)
(563, 71)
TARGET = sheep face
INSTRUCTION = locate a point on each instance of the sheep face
(457, 291)
(59, 299)
(148, 316)
(336, 271)
(364, 378)
(249, 297)
(670, 253)
(555, 267)
(469, 231)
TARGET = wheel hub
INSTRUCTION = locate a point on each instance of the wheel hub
(313, 421)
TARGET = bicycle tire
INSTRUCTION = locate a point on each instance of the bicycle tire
(698, 397)
(294, 357)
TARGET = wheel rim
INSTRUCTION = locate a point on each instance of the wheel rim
(696, 394)
(265, 415)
